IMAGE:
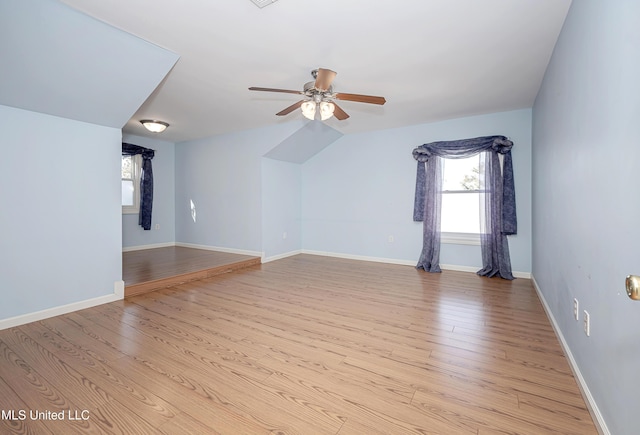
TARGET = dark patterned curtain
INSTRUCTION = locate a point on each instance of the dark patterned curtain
(497, 200)
(146, 182)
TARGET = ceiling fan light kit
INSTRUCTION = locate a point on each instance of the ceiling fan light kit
(308, 109)
(154, 126)
(326, 110)
(320, 97)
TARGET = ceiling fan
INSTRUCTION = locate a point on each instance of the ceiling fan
(320, 97)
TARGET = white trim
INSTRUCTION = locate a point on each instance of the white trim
(118, 289)
(460, 238)
(598, 419)
(280, 256)
(526, 275)
(458, 268)
(361, 257)
(194, 246)
(473, 269)
(136, 161)
(220, 249)
(63, 309)
(152, 246)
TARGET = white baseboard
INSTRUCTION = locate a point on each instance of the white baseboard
(280, 256)
(152, 246)
(63, 309)
(220, 249)
(598, 419)
(474, 269)
(118, 289)
(457, 268)
(526, 275)
(360, 257)
(403, 262)
(194, 246)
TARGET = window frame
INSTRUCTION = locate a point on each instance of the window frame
(136, 161)
(461, 238)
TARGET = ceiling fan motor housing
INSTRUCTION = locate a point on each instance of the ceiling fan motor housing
(321, 93)
(311, 90)
(317, 95)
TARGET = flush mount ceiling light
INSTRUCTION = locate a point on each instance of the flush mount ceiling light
(154, 126)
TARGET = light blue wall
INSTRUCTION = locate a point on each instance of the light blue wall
(61, 212)
(359, 191)
(222, 175)
(281, 208)
(347, 199)
(163, 213)
(586, 219)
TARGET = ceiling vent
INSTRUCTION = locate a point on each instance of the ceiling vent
(263, 3)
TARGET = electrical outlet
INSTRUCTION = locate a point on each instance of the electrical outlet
(390, 239)
(157, 226)
(587, 323)
(576, 312)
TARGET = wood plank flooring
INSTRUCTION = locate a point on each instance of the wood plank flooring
(302, 345)
(152, 269)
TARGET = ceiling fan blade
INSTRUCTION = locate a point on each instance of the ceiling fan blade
(286, 91)
(324, 79)
(290, 108)
(339, 113)
(361, 98)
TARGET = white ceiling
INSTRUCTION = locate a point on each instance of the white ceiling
(431, 59)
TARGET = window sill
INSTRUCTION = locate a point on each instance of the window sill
(460, 238)
(130, 210)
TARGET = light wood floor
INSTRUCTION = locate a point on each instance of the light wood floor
(152, 269)
(303, 345)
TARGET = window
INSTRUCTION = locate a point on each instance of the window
(461, 197)
(131, 170)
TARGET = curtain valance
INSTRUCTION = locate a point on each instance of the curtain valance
(132, 150)
(462, 148)
(459, 149)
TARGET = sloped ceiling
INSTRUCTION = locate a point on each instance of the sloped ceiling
(305, 143)
(431, 59)
(58, 61)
